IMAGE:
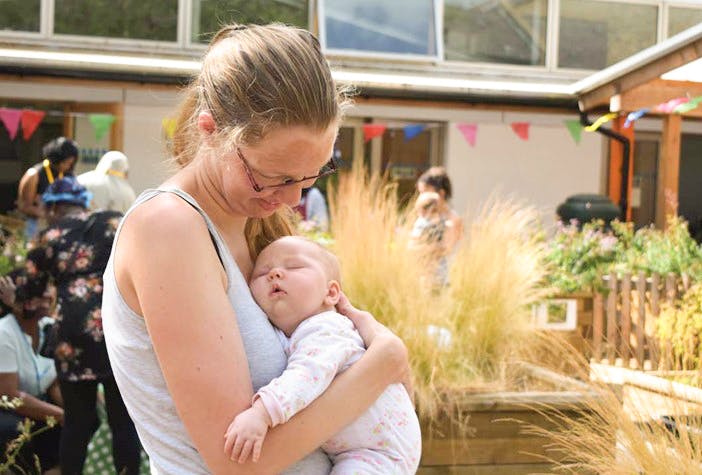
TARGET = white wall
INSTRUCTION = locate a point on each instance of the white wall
(541, 171)
(144, 140)
(144, 109)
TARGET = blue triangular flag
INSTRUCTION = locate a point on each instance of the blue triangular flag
(411, 131)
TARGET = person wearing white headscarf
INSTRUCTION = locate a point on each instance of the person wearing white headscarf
(108, 183)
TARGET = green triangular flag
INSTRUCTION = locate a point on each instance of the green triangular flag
(688, 106)
(575, 129)
(101, 123)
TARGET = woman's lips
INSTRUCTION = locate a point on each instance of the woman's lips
(269, 206)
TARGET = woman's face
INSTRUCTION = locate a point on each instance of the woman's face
(425, 187)
(286, 154)
(66, 164)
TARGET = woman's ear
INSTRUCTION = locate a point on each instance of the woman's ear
(206, 124)
(333, 293)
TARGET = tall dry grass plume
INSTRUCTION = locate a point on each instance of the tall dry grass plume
(618, 431)
(461, 336)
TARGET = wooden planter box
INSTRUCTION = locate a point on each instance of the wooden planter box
(499, 444)
(647, 397)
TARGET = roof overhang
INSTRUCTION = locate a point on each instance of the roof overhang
(645, 78)
(426, 85)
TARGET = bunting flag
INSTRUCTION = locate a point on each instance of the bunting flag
(634, 116)
(469, 131)
(600, 121)
(575, 128)
(169, 126)
(688, 106)
(411, 131)
(371, 131)
(521, 129)
(30, 121)
(11, 119)
(101, 124)
(669, 106)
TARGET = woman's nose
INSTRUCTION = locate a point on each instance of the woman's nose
(290, 195)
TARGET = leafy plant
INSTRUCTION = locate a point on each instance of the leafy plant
(26, 433)
(579, 257)
(13, 249)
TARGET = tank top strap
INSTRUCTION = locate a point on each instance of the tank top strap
(230, 267)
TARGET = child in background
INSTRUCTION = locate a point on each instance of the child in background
(428, 228)
(296, 282)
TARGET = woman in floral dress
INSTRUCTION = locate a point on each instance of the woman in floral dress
(74, 250)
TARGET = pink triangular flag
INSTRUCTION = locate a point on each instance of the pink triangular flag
(30, 121)
(371, 131)
(521, 129)
(469, 131)
(11, 119)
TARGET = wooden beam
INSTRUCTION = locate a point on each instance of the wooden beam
(616, 164)
(601, 95)
(656, 92)
(668, 170)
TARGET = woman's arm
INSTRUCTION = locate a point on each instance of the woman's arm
(27, 194)
(454, 231)
(179, 284)
(31, 407)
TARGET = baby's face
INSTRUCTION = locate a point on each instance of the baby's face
(290, 282)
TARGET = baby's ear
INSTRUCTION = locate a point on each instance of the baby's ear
(333, 293)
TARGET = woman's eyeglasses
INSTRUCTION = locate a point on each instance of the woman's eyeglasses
(326, 170)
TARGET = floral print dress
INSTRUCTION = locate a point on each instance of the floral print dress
(75, 251)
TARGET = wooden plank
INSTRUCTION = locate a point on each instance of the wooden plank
(641, 319)
(508, 469)
(597, 326)
(656, 91)
(616, 162)
(611, 374)
(670, 287)
(625, 345)
(471, 451)
(667, 183)
(490, 425)
(653, 352)
(612, 318)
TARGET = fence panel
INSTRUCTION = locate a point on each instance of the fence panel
(624, 318)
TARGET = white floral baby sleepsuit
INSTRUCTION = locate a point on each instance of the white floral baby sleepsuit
(384, 440)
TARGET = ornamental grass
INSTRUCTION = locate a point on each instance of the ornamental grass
(611, 437)
(461, 336)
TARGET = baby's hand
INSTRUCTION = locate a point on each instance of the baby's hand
(246, 433)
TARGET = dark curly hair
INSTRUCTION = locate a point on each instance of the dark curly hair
(60, 149)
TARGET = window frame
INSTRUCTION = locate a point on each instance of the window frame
(438, 6)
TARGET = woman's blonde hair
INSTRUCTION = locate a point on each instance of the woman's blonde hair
(253, 79)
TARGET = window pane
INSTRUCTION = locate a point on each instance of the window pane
(504, 31)
(594, 35)
(392, 26)
(133, 19)
(210, 15)
(680, 19)
(19, 15)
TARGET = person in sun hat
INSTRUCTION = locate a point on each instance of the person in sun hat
(74, 250)
(108, 183)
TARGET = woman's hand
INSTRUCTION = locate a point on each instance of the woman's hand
(377, 336)
(7, 291)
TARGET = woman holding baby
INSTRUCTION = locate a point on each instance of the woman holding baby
(188, 344)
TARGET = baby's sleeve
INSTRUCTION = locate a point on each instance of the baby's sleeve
(319, 349)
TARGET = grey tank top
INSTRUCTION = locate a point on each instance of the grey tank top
(141, 381)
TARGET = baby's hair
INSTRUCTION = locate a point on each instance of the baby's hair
(330, 260)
